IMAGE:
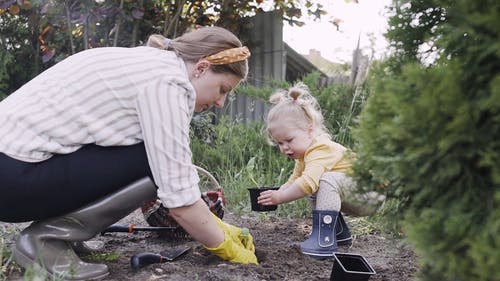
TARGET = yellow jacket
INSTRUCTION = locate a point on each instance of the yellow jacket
(324, 155)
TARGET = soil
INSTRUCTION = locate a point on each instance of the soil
(279, 257)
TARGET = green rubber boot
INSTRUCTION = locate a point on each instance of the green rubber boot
(48, 243)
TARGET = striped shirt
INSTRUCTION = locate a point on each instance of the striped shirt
(109, 97)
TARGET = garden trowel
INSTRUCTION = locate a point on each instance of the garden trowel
(140, 260)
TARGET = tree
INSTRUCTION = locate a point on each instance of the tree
(429, 135)
(40, 33)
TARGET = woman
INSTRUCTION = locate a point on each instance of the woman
(94, 137)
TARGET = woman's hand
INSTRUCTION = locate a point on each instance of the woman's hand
(237, 246)
(233, 251)
(226, 241)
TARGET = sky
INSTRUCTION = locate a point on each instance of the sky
(358, 20)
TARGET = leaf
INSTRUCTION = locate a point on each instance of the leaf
(27, 5)
(137, 13)
(48, 55)
(112, 31)
(251, 164)
(45, 9)
(7, 4)
(295, 12)
(14, 9)
(336, 22)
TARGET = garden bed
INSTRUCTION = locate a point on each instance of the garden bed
(280, 259)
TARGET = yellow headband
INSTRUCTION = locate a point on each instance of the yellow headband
(229, 56)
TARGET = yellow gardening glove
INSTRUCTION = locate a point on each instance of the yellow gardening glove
(237, 246)
(234, 252)
(239, 235)
(246, 239)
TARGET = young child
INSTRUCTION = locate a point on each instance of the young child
(296, 125)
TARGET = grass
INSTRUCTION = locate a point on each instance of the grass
(102, 257)
(7, 265)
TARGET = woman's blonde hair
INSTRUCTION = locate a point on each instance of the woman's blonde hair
(298, 105)
(203, 42)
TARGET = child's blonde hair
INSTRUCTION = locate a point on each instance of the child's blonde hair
(299, 105)
(203, 42)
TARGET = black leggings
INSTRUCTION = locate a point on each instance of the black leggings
(66, 182)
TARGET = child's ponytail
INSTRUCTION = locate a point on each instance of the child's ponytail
(299, 104)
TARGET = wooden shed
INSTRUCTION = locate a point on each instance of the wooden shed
(271, 59)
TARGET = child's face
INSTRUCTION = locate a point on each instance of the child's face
(292, 141)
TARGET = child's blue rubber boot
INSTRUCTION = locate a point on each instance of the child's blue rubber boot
(343, 234)
(322, 242)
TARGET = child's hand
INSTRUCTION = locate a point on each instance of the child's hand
(285, 186)
(281, 196)
(270, 197)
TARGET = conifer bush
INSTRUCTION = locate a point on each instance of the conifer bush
(429, 136)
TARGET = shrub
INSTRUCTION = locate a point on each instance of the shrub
(429, 136)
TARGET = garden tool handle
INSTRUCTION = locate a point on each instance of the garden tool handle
(130, 228)
(142, 259)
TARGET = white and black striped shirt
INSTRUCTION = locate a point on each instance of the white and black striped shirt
(110, 97)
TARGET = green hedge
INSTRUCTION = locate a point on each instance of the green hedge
(429, 136)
